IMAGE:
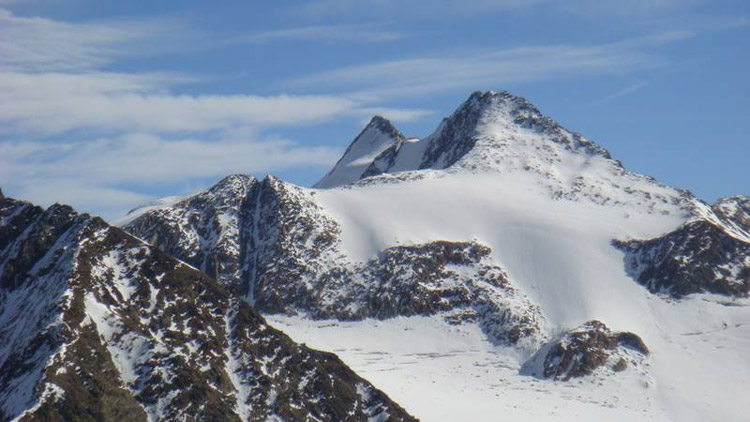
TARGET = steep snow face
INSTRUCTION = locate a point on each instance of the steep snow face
(97, 325)
(481, 132)
(375, 138)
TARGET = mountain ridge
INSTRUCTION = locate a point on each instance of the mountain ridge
(97, 325)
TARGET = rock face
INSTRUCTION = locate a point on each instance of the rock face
(96, 325)
(585, 350)
(700, 256)
(203, 230)
(290, 261)
(378, 136)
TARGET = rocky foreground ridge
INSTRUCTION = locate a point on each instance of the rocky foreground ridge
(97, 325)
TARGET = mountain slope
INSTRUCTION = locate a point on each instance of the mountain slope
(96, 325)
(286, 257)
(546, 208)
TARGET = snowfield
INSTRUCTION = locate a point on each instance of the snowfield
(441, 372)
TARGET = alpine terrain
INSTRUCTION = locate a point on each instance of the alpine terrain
(501, 268)
(96, 325)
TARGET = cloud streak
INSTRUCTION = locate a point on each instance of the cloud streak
(32, 44)
(113, 103)
(447, 9)
(429, 75)
(329, 33)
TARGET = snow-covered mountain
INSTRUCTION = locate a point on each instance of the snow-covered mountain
(503, 265)
(97, 325)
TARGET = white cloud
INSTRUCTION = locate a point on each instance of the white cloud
(51, 82)
(337, 33)
(48, 104)
(37, 44)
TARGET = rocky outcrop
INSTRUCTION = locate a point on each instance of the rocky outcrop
(734, 211)
(97, 325)
(700, 256)
(203, 230)
(455, 280)
(586, 350)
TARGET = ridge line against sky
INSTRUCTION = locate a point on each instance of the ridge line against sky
(109, 109)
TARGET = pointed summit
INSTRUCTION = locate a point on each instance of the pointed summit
(375, 138)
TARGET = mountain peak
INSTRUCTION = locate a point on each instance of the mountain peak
(491, 130)
(376, 137)
(381, 124)
(233, 182)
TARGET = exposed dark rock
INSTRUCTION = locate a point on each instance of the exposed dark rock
(700, 256)
(582, 351)
(734, 211)
(203, 230)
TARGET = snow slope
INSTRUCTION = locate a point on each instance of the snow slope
(559, 253)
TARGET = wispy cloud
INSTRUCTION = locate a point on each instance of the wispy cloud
(41, 104)
(630, 89)
(448, 9)
(32, 44)
(320, 9)
(330, 33)
(422, 75)
(45, 64)
(72, 130)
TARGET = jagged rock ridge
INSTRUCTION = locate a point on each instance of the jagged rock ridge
(96, 325)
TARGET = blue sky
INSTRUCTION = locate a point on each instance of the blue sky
(106, 105)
